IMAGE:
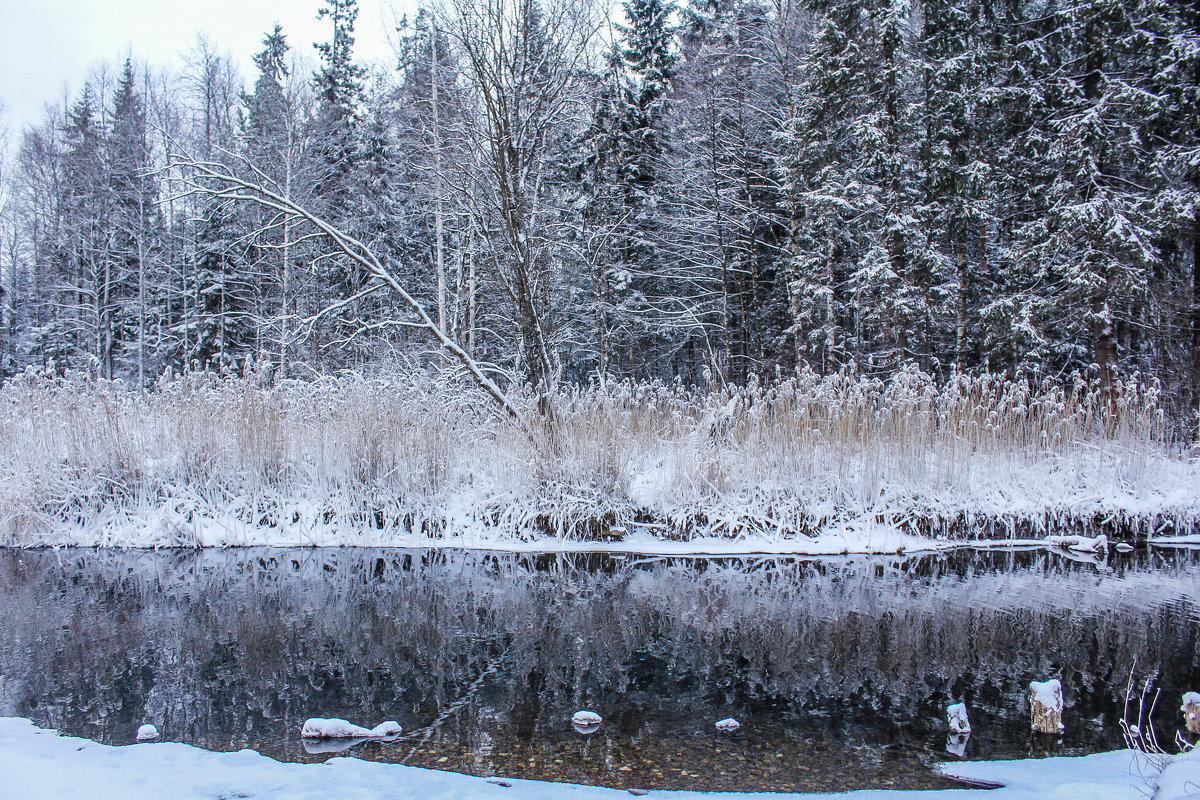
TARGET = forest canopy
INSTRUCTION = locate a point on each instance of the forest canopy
(711, 191)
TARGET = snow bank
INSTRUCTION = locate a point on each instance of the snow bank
(728, 724)
(146, 733)
(1180, 780)
(321, 728)
(40, 764)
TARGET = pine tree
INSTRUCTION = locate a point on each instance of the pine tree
(86, 209)
(339, 84)
(124, 284)
(620, 164)
(274, 140)
(818, 154)
(956, 174)
(267, 108)
(340, 91)
(1090, 244)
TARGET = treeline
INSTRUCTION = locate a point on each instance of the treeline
(715, 190)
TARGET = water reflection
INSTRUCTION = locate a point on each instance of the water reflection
(839, 670)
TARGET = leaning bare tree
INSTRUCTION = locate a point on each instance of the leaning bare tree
(219, 181)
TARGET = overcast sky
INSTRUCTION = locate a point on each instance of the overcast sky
(46, 45)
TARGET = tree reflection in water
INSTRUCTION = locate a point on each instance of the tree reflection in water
(839, 669)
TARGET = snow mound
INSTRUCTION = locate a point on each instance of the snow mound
(1180, 780)
(321, 728)
(147, 732)
(728, 724)
(956, 717)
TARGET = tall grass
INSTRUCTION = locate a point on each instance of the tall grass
(370, 459)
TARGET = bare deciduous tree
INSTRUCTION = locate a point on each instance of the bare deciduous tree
(221, 183)
(526, 64)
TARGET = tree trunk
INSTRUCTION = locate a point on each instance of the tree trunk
(1196, 318)
(960, 308)
(439, 256)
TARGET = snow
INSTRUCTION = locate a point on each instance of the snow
(956, 717)
(728, 724)
(1046, 698)
(1048, 693)
(1180, 780)
(321, 728)
(146, 733)
(956, 744)
(586, 718)
(1081, 544)
(40, 764)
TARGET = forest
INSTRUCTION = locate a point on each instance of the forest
(711, 192)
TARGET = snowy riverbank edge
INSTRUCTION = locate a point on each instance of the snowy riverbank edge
(38, 763)
(810, 465)
(870, 539)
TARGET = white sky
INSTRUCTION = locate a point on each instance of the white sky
(47, 46)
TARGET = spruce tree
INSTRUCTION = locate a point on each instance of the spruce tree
(124, 283)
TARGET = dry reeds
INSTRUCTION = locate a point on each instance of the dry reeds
(366, 459)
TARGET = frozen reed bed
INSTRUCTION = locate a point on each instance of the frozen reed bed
(380, 459)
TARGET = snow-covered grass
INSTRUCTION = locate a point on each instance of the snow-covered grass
(39, 764)
(811, 464)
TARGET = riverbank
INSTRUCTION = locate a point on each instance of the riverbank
(40, 764)
(810, 465)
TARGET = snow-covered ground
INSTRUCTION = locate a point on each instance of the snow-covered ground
(39, 764)
(812, 465)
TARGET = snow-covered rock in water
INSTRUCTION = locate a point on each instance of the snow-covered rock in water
(956, 717)
(147, 732)
(320, 728)
(1191, 711)
(728, 724)
(586, 718)
(1123, 547)
(586, 722)
(1046, 705)
(1082, 544)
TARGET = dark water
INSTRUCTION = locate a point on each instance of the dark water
(839, 669)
